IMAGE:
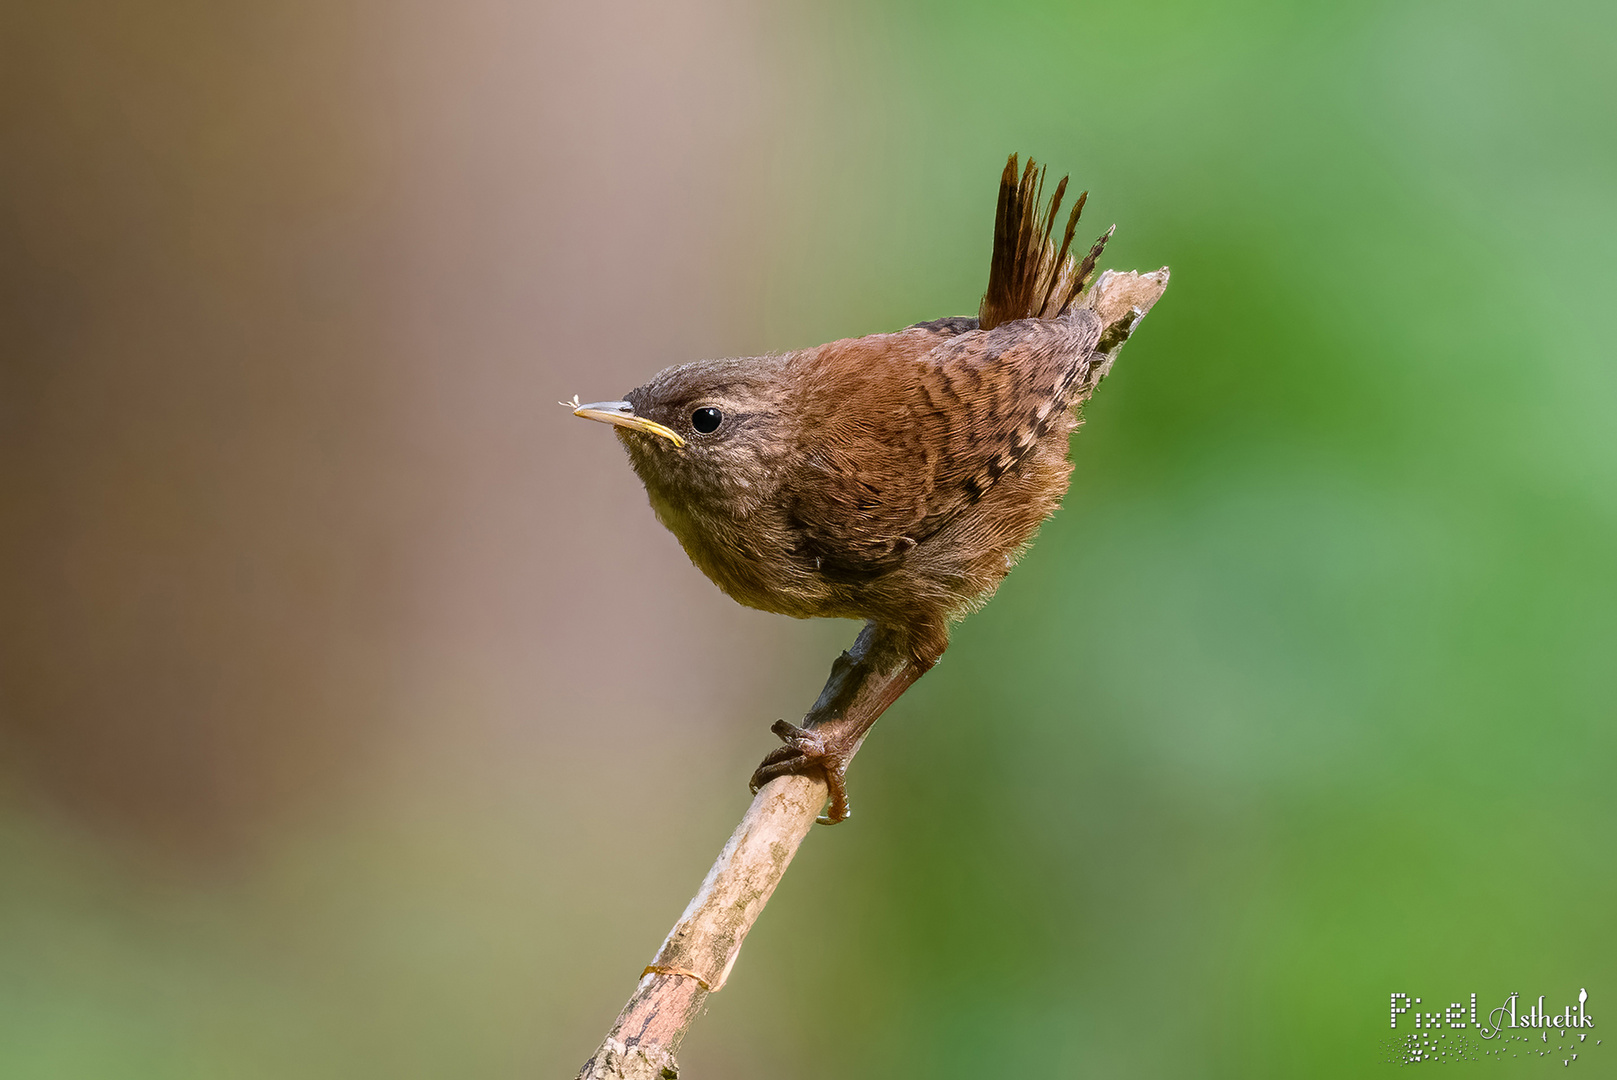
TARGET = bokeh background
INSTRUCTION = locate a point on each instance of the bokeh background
(357, 718)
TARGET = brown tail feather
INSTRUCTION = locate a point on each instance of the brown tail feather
(1028, 277)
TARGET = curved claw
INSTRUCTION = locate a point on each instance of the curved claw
(789, 764)
(839, 809)
(806, 751)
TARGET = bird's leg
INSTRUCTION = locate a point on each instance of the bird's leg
(864, 681)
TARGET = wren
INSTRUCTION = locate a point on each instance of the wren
(894, 478)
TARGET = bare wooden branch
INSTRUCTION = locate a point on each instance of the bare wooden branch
(700, 950)
(706, 940)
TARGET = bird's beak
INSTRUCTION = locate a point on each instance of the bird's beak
(622, 414)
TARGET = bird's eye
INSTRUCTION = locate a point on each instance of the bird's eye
(706, 420)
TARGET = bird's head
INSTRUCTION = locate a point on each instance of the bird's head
(714, 433)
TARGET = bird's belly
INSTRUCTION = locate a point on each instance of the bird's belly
(754, 565)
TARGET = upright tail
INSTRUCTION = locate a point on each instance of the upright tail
(1029, 278)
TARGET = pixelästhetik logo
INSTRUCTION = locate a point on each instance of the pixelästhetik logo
(1514, 1029)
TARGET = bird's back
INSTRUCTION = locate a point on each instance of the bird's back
(927, 459)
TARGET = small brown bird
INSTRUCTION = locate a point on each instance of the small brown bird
(894, 478)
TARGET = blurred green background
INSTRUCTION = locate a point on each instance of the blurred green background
(357, 719)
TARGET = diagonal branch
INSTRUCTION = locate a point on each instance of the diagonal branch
(648, 1031)
(700, 950)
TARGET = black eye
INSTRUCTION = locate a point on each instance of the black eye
(706, 420)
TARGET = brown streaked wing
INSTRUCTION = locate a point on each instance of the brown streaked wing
(906, 441)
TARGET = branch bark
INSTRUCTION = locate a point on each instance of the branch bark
(704, 943)
(696, 957)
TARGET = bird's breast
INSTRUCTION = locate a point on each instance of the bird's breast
(752, 559)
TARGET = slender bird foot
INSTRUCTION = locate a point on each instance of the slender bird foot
(808, 751)
(864, 681)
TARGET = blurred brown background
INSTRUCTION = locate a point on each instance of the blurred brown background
(299, 554)
(291, 294)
